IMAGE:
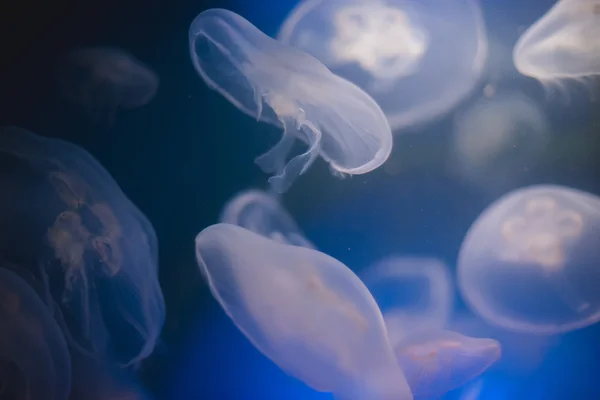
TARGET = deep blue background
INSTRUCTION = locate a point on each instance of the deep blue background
(182, 156)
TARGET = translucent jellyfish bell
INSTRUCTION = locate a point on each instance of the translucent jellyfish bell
(530, 261)
(66, 219)
(417, 59)
(304, 310)
(437, 362)
(413, 293)
(262, 213)
(104, 80)
(497, 138)
(286, 87)
(34, 358)
(564, 43)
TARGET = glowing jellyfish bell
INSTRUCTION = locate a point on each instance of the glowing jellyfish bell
(417, 59)
(530, 261)
(66, 219)
(34, 358)
(413, 294)
(438, 361)
(286, 87)
(304, 310)
(563, 44)
(262, 213)
(104, 80)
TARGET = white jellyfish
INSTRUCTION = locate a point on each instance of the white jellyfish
(530, 261)
(34, 358)
(498, 138)
(262, 213)
(103, 80)
(67, 221)
(417, 59)
(304, 310)
(413, 294)
(563, 44)
(286, 87)
(437, 362)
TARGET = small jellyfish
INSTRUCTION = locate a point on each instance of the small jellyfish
(304, 310)
(262, 213)
(563, 44)
(413, 294)
(34, 358)
(417, 59)
(288, 88)
(104, 80)
(530, 261)
(67, 221)
(437, 362)
(498, 138)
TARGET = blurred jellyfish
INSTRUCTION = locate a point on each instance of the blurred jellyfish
(290, 89)
(262, 213)
(563, 44)
(418, 59)
(65, 218)
(34, 358)
(437, 362)
(104, 80)
(98, 379)
(530, 261)
(497, 139)
(304, 310)
(413, 293)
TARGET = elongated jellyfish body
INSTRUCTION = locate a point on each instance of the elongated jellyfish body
(67, 221)
(304, 310)
(530, 261)
(286, 87)
(34, 357)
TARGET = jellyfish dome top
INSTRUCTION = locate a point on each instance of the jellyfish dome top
(68, 222)
(564, 43)
(417, 58)
(530, 262)
(304, 310)
(262, 213)
(34, 357)
(286, 87)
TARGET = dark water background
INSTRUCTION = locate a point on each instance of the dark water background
(181, 157)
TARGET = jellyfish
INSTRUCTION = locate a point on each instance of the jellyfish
(436, 362)
(103, 80)
(563, 44)
(417, 59)
(498, 138)
(304, 310)
(288, 88)
(262, 213)
(67, 222)
(34, 358)
(529, 263)
(413, 294)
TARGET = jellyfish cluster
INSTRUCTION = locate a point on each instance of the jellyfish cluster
(81, 306)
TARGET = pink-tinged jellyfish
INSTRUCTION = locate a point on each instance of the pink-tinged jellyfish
(436, 362)
(498, 138)
(286, 87)
(263, 213)
(34, 358)
(417, 59)
(103, 80)
(563, 44)
(529, 263)
(304, 310)
(413, 294)
(82, 238)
